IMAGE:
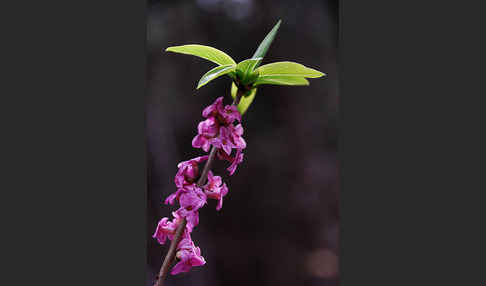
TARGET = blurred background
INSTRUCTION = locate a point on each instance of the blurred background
(279, 224)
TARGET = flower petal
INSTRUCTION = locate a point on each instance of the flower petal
(181, 266)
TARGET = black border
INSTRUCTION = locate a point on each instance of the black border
(75, 147)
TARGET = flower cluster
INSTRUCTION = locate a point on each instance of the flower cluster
(217, 130)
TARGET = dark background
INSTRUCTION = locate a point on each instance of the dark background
(280, 220)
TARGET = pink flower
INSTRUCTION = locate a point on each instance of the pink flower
(230, 113)
(236, 161)
(213, 109)
(189, 256)
(214, 190)
(223, 192)
(192, 200)
(224, 141)
(217, 130)
(236, 139)
(191, 216)
(208, 127)
(176, 195)
(225, 115)
(170, 199)
(207, 130)
(188, 171)
(166, 229)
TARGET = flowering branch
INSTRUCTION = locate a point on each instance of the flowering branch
(220, 134)
(170, 256)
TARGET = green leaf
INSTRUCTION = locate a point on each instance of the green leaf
(232, 75)
(215, 73)
(282, 80)
(245, 68)
(205, 52)
(288, 69)
(245, 100)
(234, 89)
(265, 44)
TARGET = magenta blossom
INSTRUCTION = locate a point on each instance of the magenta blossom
(166, 229)
(189, 256)
(214, 109)
(224, 141)
(219, 131)
(192, 200)
(188, 171)
(236, 139)
(229, 138)
(229, 114)
(225, 115)
(191, 216)
(207, 130)
(214, 190)
(176, 195)
(170, 199)
(235, 161)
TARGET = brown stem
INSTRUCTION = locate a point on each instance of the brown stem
(207, 167)
(170, 256)
(239, 93)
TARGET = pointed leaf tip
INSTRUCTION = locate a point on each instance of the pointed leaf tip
(215, 73)
(267, 41)
(209, 53)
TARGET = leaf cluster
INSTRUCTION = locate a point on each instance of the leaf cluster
(247, 75)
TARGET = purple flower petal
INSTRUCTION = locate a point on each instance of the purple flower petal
(213, 108)
(235, 162)
(189, 256)
(181, 266)
(165, 229)
(192, 200)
